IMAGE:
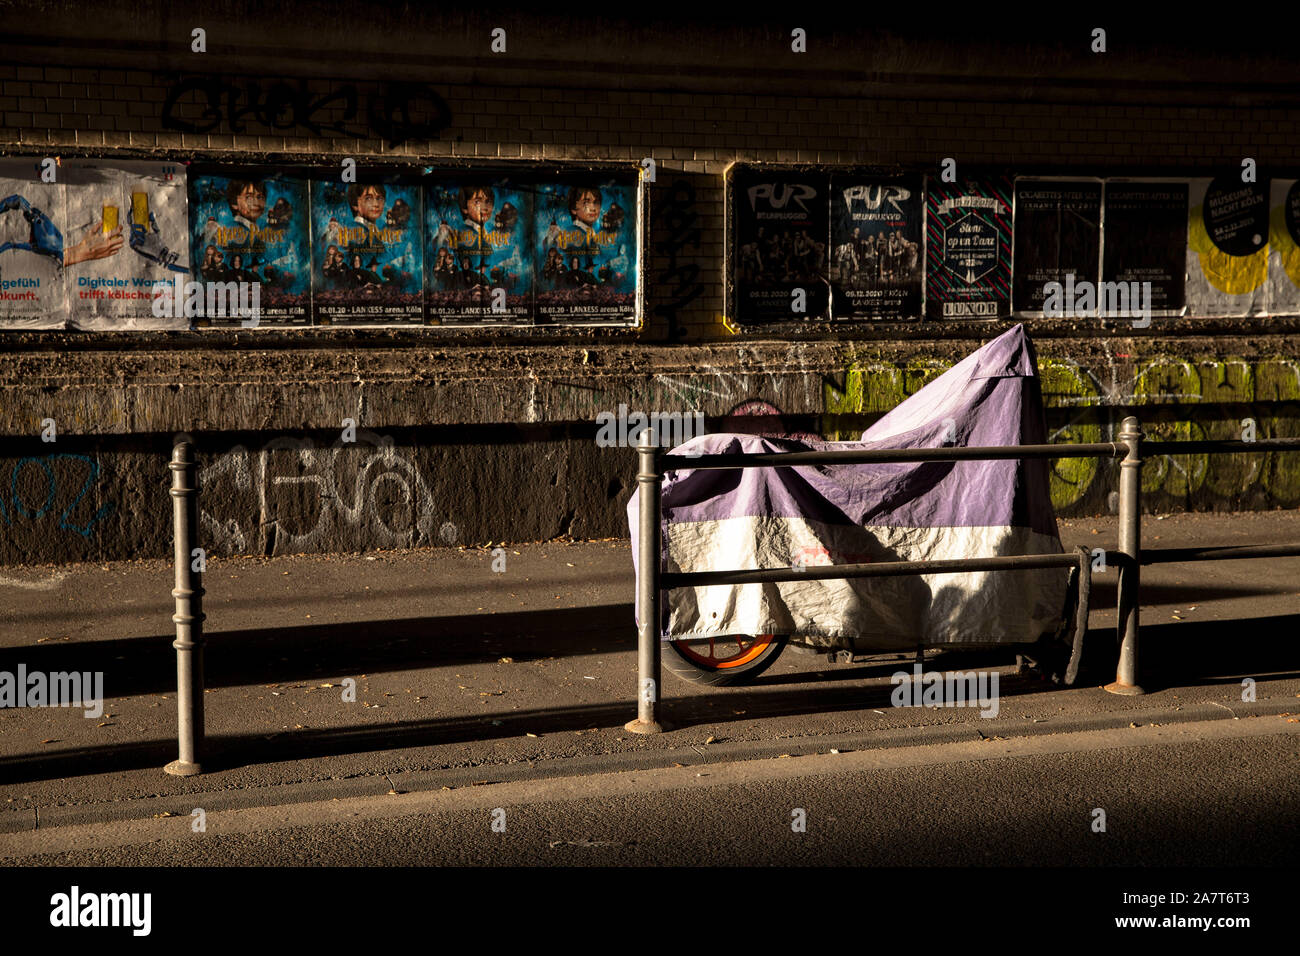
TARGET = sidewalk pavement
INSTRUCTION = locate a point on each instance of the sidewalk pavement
(465, 676)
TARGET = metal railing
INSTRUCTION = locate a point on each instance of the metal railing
(189, 615)
(653, 581)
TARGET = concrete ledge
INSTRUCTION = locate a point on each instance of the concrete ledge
(164, 390)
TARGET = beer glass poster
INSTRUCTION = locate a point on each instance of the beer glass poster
(368, 253)
(137, 214)
(585, 250)
(251, 228)
(782, 230)
(875, 267)
(968, 248)
(36, 244)
(478, 255)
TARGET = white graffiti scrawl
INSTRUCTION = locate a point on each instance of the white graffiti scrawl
(294, 496)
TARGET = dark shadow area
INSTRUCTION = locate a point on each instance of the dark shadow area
(1177, 654)
(237, 750)
(1202, 653)
(283, 655)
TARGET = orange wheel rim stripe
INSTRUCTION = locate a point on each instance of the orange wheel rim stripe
(745, 655)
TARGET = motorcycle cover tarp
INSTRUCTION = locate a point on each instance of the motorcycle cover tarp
(843, 514)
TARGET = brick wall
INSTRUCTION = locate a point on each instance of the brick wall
(691, 135)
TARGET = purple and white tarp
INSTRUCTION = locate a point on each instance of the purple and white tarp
(844, 514)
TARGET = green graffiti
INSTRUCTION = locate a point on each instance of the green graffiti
(1166, 391)
(1166, 381)
(1229, 475)
(867, 388)
(1171, 381)
(1227, 381)
(1277, 380)
(875, 388)
(1065, 383)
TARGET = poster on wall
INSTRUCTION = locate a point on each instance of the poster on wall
(875, 268)
(142, 284)
(968, 248)
(782, 254)
(585, 250)
(1145, 223)
(1283, 288)
(368, 253)
(478, 251)
(1227, 246)
(250, 226)
(37, 247)
(1057, 236)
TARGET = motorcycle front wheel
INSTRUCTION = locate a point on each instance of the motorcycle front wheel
(723, 661)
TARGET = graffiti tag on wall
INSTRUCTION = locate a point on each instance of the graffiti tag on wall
(47, 492)
(680, 233)
(292, 496)
(389, 113)
(1086, 405)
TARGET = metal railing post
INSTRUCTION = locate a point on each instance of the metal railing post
(1128, 607)
(189, 613)
(648, 591)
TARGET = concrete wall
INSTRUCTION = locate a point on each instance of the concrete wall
(472, 436)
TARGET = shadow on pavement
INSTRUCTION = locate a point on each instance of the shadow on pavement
(236, 750)
(1182, 654)
(147, 665)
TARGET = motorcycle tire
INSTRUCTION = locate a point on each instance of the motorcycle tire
(725, 661)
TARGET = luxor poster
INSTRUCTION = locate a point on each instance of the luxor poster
(968, 248)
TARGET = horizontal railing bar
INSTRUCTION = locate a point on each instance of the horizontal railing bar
(892, 456)
(1216, 446)
(1232, 553)
(889, 569)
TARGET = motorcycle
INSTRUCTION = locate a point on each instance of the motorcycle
(797, 516)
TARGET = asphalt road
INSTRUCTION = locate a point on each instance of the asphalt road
(1221, 792)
